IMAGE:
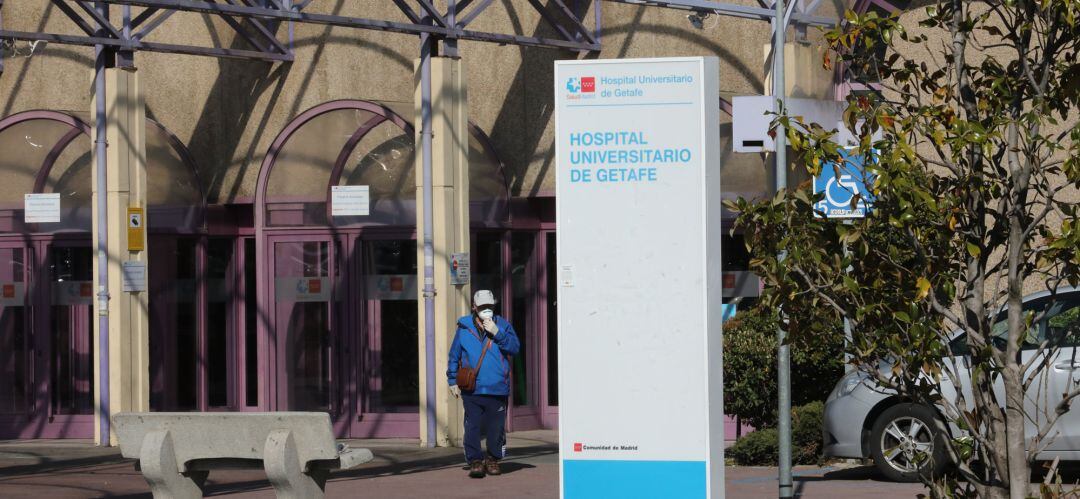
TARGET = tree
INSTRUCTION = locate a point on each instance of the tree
(976, 158)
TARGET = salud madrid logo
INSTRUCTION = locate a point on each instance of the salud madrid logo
(584, 85)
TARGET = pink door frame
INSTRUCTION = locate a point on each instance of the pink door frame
(351, 355)
(45, 424)
(371, 424)
(61, 425)
(32, 422)
(41, 419)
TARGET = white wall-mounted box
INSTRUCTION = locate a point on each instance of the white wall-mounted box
(752, 115)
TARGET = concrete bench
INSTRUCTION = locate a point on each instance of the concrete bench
(176, 451)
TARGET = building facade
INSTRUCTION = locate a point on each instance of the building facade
(258, 299)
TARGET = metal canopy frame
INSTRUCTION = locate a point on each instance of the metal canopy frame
(799, 13)
(255, 21)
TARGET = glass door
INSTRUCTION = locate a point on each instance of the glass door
(549, 295)
(306, 322)
(16, 347)
(196, 302)
(69, 330)
(176, 324)
(523, 313)
(389, 376)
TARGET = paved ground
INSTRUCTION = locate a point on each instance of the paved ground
(68, 469)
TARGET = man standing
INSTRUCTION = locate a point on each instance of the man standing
(481, 352)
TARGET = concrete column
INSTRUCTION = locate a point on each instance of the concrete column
(129, 373)
(450, 156)
(805, 77)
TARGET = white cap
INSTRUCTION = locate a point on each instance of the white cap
(483, 297)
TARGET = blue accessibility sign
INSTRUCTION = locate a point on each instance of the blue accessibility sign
(846, 187)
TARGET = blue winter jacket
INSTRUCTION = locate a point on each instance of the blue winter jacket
(494, 375)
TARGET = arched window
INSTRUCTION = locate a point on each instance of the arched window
(50, 151)
(354, 142)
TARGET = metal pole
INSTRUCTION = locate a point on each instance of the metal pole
(847, 323)
(2, 27)
(450, 45)
(126, 58)
(103, 236)
(292, 28)
(783, 360)
(426, 43)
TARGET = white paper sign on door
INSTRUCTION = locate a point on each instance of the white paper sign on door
(41, 208)
(350, 201)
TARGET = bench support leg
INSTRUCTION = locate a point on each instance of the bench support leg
(285, 471)
(158, 462)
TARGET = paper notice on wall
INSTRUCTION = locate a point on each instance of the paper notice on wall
(133, 275)
(459, 269)
(41, 208)
(350, 201)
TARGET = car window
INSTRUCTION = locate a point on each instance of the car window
(999, 333)
(1063, 323)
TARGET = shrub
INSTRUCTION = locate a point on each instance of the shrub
(750, 367)
(761, 448)
(756, 449)
(806, 432)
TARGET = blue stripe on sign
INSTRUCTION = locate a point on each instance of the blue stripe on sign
(588, 479)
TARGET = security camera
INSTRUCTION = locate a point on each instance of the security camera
(697, 19)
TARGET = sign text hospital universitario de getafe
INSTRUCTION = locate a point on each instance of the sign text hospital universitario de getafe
(640, 283)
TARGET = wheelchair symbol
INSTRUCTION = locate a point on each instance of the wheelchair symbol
(847, 186)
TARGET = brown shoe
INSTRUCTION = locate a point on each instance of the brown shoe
(492, 466)
(476, 469)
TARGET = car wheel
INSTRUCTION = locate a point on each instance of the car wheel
(905, 443)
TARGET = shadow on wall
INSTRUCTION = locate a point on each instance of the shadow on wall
(233, 106)
(74, 54)
(228, 111)
(530, 105)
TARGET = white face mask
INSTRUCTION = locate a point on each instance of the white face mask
(486, 314)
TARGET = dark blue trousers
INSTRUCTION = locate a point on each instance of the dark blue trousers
(484, 415)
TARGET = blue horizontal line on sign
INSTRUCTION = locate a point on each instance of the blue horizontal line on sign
(633, 104)
(601, 479)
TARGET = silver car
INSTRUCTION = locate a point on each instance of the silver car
(863, 420)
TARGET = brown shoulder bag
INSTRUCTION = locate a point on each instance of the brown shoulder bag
(466, 376)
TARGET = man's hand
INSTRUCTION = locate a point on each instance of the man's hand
(455, 391)
(490, 327)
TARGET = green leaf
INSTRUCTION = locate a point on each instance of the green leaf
(851, 284)
(973, 250)
(922, 287)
